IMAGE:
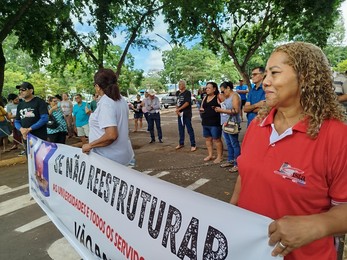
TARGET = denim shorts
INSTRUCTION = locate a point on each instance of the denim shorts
(138, 115)
(212, 131)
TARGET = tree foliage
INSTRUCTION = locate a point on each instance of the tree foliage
(46, 29)
(196, 64)
(241, 27)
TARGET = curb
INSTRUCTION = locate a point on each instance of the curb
(23, 159)
(12, 161)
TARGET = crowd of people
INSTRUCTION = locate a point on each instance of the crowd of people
(292, 161)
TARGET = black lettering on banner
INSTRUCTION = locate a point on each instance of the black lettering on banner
(222, 250)
(123, 189)
(146, 197)
(155, 232)
(131, 215)
(116, 182)
(82, 172)
(58, 164)
(103, 174)
(172, 228)
(79, 171)
(88, 242)
(69, 166)
(91, 177)
(97, 250)
(76, 168)
(107, 187)
(96, 180)
(77, 234)
(192, 236)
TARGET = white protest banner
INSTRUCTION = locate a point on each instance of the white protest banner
(109, 211)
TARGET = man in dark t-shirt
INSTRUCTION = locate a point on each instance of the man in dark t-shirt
(184, 114)
(32, 113)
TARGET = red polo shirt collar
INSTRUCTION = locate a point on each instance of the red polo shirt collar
(301, 126)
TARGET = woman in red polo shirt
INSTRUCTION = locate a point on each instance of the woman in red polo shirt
(293, 165)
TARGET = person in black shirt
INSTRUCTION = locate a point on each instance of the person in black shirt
(212, 129)
(138, 114)
(32, 114)
(184, 114)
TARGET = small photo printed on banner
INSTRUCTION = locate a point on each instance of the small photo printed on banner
(42, 152)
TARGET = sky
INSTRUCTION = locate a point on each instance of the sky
(152, 59)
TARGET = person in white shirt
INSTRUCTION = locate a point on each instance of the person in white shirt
(66, 106)
(108, 124)
(152, 105)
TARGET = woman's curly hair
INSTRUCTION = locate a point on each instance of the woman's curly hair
(318, 99)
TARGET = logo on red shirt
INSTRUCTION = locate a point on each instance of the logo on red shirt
(294, 174)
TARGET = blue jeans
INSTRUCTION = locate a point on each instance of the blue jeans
(187, 121)
(154, 118)
(232, 142)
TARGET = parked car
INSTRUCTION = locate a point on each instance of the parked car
(169, 100)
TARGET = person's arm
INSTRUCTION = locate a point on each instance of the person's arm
(342, 98)
(237, 189)
(186, 103)
(241, 91)
(110, 135)
(180, 109)
(297, 231)
(87, 109)
(17, 124)
(253, 108)
(236, 104)
(156, 105)
(43, 111)
(42, 121)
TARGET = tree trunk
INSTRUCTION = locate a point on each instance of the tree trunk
(5, 31)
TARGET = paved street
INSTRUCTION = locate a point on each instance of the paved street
(26, 232)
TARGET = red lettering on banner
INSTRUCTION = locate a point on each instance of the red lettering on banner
(119, 243)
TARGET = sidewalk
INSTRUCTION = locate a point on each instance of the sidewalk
(13, 157)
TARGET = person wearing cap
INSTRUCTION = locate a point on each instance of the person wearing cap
(32, 113)
(152, 105)
(242, 90)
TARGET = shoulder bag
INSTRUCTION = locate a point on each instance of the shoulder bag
(231, 126)
(52, 122)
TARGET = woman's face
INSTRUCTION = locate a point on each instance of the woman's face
(54, 102)
(209, 89)
(281, 84)
(226, 91)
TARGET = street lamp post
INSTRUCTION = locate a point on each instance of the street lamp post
(171, 49)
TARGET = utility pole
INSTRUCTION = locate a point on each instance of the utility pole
(175, 75)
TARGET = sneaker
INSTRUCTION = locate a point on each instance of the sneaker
(22, 153)
(152, 141)
(160, 141)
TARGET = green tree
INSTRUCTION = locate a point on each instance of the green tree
(240, 27)
(45, 28)
(197, 64)
(342, 66)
